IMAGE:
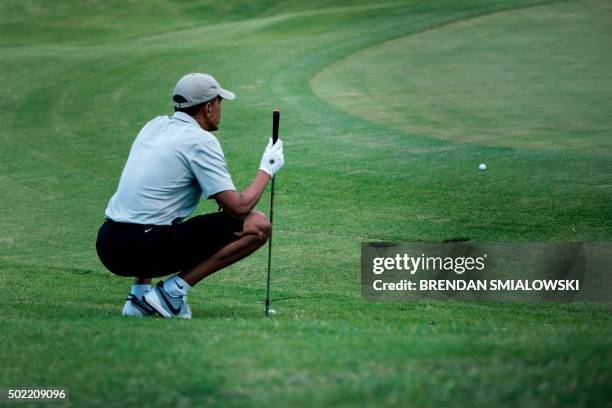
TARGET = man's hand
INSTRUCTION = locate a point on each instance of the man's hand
(273, 158)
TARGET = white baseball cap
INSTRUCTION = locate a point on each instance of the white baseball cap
(196, 88)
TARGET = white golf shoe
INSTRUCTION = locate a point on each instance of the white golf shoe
(165, 305)
(136, 307)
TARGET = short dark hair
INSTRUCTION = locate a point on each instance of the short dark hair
(193, 110)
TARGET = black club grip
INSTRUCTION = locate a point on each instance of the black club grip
(275, 123)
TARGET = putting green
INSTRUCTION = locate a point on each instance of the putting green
(538, 78)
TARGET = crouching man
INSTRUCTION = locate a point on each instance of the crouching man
(172, 163)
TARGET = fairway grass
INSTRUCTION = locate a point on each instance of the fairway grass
(365, 161)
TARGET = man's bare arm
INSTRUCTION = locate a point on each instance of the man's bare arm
(240, 205)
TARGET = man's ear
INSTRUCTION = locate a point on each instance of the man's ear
(206, 109)
(203, 110)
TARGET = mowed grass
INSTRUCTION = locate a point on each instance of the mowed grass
(79, 80)
(536, 78)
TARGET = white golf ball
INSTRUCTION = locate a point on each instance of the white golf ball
(482, 167)
(271, 312)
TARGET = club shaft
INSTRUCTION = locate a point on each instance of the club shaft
(275, 126)
(270, 248)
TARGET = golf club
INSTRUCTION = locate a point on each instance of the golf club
(275, 124)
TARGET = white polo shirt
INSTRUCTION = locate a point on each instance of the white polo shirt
(173, 161)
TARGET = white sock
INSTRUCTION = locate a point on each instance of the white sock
(139, 290)
(175, 286)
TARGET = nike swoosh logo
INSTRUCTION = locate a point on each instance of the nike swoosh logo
(173, 310)
(142, 306)
(180, 287)
(147, 230)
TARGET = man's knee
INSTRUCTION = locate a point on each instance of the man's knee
(258, 224)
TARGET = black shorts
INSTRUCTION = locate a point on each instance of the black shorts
(157, 250)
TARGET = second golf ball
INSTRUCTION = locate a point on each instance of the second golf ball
(482, 167)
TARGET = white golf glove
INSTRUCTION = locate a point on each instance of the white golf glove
(273, 158)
